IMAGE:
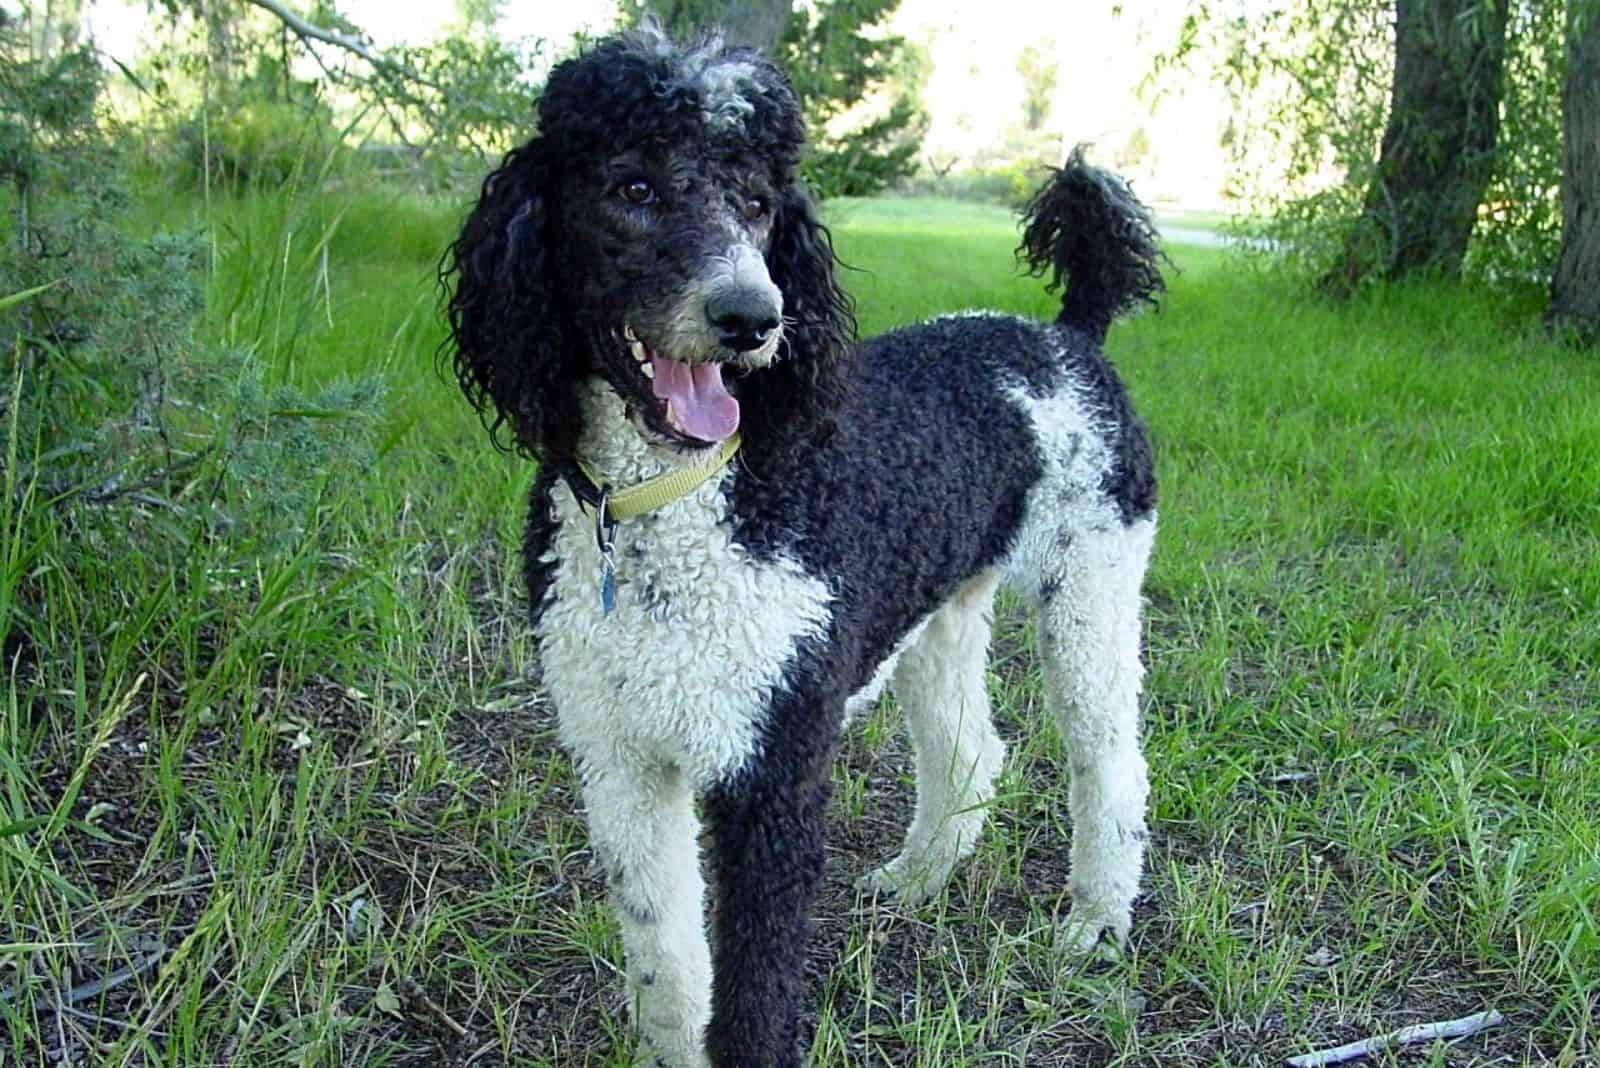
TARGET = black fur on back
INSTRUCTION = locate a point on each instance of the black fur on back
(1087, 229)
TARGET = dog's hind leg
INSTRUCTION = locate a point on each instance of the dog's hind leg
(1089, 607)
(940, 684)
(644, 831)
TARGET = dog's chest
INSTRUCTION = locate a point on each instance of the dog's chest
(682, 667)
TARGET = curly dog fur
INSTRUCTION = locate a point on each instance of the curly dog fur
(640, 281)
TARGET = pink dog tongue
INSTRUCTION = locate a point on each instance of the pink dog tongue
(700, 402)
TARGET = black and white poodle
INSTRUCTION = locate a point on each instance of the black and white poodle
(745, 525)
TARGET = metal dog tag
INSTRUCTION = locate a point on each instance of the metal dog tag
(608, 584)
(605, 529)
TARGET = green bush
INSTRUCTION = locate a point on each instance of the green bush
(126, 444)
(257, 141)
(1009, 185)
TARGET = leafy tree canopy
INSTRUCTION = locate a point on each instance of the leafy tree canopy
(1312, 86)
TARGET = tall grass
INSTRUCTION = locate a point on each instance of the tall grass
(287, 771)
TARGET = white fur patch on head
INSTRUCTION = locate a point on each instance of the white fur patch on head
(727, 85)
(658, 42)
(725, 90)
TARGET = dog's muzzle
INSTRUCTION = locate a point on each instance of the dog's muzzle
(743, 318)
(743, 307)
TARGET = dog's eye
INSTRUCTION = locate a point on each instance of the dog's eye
(637, 191)
(755, 206)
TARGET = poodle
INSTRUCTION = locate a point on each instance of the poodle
(744, 524)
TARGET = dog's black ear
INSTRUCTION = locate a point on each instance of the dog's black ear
(801, 392)
(505, 330)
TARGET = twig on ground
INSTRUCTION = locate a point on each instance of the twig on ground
(115, 486)
(413, 992)
(150, 951)
(1428, 1032)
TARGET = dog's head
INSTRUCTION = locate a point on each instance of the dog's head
(653, 233)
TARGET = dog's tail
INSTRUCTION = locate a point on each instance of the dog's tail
(1092, 234)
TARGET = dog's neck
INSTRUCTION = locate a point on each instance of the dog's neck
(611, 445)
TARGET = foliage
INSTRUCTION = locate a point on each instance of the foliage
(127, 437)
(858, 85)
(1520, 231)
(1040, 72)
(1133, 150)
(471, 97)
(111, 310)
(1311, 85)
(1008, 184)
(478, 18)
(444, 108)
(48, 99)
(256, 140)
(843, 65)
(260, 129)
(1574, 311)
(867, 158)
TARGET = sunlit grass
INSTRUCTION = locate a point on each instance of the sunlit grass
(310, 760)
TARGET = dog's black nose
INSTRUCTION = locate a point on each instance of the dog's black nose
(741, 319)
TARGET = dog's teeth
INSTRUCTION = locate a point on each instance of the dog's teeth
(627, 332)
(647, 368)
(638, 350)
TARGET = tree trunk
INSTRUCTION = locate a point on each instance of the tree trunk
(1438, 145)
(221, 18)
(60, 29)
(751, 23)
(756, 25)
(1575, 286)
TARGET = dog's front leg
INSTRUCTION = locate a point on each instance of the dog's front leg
(767, 837)
(644, 831)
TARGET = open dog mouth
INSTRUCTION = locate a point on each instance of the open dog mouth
(691, 397)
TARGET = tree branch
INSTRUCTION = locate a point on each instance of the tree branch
(354, 45)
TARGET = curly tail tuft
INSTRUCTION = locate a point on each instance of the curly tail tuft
(1092, 234)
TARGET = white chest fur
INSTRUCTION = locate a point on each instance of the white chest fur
(682, 669)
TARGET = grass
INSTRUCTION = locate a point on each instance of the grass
(292, 777)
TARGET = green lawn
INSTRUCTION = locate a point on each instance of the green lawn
(282, 789)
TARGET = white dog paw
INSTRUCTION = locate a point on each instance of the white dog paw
(1094, 932)
(909, 883)
(648, 1058)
